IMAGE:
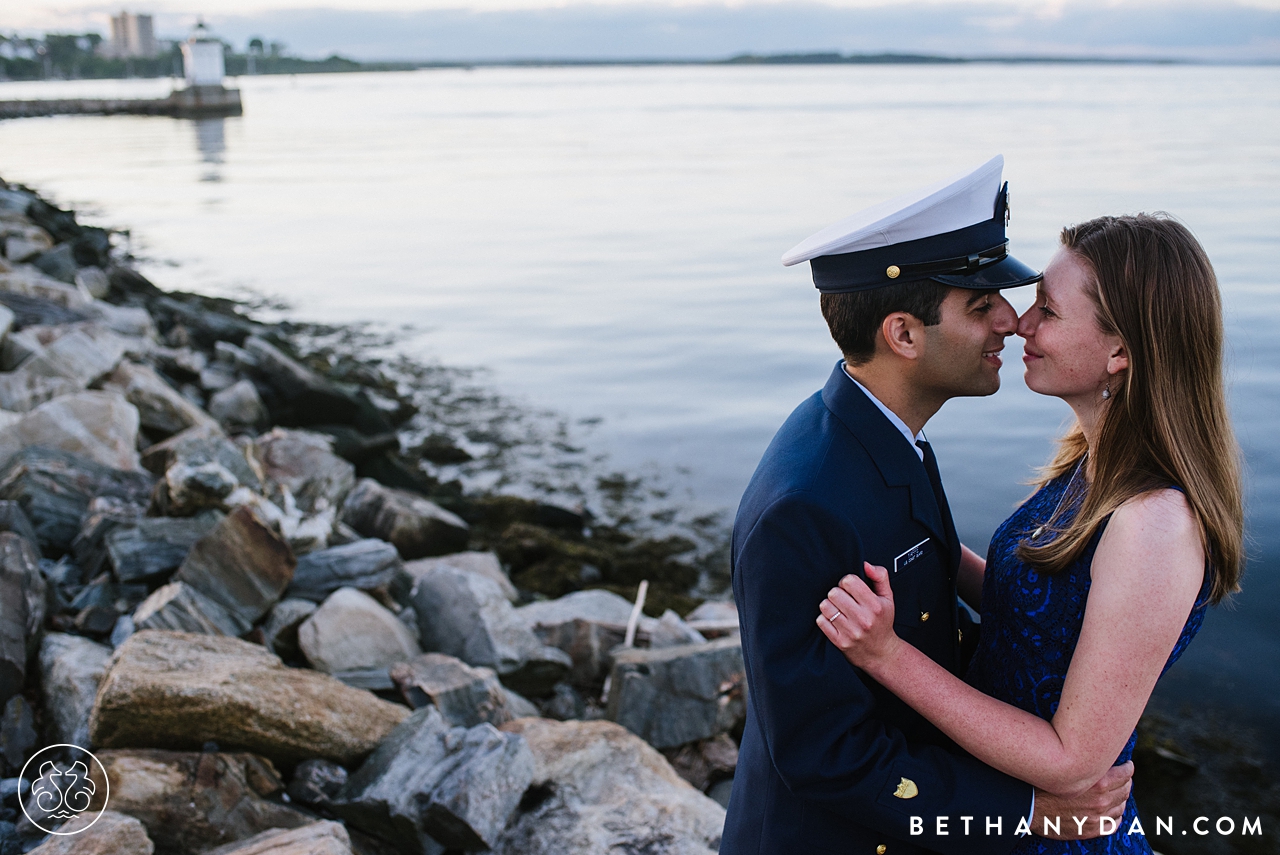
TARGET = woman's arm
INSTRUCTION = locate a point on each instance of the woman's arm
(1146, 573)
(973, 568)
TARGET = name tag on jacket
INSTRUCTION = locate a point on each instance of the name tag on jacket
(915, 553)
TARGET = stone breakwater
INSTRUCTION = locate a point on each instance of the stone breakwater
(226, 571)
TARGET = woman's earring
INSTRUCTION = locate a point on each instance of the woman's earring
(1106, 392)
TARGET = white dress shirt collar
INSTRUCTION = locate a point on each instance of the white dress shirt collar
(891, 416)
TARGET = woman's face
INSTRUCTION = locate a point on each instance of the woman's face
(1066, 353)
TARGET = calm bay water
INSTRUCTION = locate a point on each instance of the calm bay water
(606, 242)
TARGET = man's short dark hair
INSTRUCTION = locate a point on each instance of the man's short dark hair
(854, 318)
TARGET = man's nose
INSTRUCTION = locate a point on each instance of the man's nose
(1005, 319)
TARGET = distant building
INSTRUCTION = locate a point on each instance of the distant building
(131, 35)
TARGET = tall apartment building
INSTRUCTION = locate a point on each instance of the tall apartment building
(132, 35)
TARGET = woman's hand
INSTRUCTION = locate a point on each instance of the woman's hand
(859, 620)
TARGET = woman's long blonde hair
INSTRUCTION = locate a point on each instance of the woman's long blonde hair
(1167, 422)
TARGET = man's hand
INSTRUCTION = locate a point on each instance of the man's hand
(1079, 815)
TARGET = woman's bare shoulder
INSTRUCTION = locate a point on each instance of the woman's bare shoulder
(1157, 529)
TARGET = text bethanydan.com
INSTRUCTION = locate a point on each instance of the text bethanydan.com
(1223, 826)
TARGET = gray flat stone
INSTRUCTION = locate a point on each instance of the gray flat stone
(484, 563)
(606, 791)
(156, 546)
(54, 489)
(465, 696)
(352, 630)
(366, 564)
(101, 426)
(237, 406)
(161, 408)
(430, 786)
(681, 694)
(418, 528)
(466, 615)
(180, 607)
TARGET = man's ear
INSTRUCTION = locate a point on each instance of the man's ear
(1118, 360)
(903, 334)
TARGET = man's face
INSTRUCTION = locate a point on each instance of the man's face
(961, 356)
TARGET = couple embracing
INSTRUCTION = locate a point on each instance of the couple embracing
(882, 719)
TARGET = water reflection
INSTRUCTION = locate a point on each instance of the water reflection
(211, 142)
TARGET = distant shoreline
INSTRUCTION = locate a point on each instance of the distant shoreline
(340, 65)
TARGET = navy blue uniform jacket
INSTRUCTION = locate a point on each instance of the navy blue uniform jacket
(826, 748)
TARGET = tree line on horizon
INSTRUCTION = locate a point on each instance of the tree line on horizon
(78, 56)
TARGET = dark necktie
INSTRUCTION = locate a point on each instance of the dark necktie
(935, 481)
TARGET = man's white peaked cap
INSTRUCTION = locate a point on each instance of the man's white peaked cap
(953, 203)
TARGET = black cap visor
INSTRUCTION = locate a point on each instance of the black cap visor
(1008, 272)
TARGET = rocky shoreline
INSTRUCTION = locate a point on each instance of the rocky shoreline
(297, 598)
(232, 564)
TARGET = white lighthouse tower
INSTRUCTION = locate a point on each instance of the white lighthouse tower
(202, 58)
(204, 70)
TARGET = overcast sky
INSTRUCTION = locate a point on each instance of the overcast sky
(1219, 30)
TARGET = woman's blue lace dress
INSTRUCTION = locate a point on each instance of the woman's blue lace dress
(1030, 625)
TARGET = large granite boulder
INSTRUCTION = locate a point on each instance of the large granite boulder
(193, 801)
(101, 426)
(418, 528)
(352, 631)
(431, 787)
(318, 838)
(242, 565)
(675, 695)
(466, 615)
(71, 670)
(180, 690)
(602, 789)
(111, 833)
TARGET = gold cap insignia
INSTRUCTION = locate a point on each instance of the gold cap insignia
(907, 789)
(892, 271)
